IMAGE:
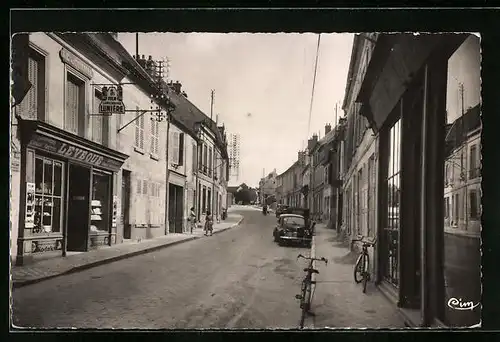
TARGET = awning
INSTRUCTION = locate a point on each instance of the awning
(395, 61)
(43, 136)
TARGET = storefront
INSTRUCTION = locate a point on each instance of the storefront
(404, 96)
(67, 200)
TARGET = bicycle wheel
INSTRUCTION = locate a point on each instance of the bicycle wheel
(358, 269)
(303, 306)
(366, 271)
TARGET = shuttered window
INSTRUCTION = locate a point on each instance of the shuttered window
(30, 102)
(139, 130)
(73, 104)
(210, 159)
(174, 141)
(181, 149)
(195, 156)
(155, 144)
(96, 120)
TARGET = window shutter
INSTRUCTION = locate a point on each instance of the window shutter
(152, 134)
(139, 186)
(144, 187)
(181, 149)
(31, 98)
(157, 137)
(97, 120)
(72, 106)
(137, 130)
(141, 131)
(175, 147)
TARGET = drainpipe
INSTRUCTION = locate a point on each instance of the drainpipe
(423, 207)
(167, 175)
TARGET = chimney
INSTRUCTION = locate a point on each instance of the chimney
(177, 87)
(328, 128)
(311, 142)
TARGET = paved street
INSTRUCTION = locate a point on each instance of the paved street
(237, 279)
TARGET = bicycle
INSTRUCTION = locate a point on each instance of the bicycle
(362, 266)
(306, 291)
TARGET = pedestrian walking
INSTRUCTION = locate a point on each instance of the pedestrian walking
(209, 225)
(192, 219)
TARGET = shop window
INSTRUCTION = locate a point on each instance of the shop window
(74, 115)
(33, 104)
(99, 217)
(392, 226)
(48, 196)
(139, 131)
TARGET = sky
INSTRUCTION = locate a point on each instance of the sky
(464, 66)
(263, 84)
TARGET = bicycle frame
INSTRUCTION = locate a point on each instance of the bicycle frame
(307, 289)
(363, 262)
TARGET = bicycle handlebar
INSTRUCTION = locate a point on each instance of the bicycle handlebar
(309, 258)
(364, 241)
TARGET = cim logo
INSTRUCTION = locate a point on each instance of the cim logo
(458, 304)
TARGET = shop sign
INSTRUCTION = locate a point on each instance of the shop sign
(112, 101)
(73, 152)
(15, 162)
(69, 58)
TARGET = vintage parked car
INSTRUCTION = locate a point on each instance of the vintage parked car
(294, 226)
(280, 209)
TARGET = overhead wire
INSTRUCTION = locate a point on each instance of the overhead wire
(313, 86)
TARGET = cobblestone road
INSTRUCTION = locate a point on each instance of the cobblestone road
(237, 279)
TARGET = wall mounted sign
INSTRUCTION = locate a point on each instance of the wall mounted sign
(29, 219)
(112, 101)
(73, 152)
(115, 211)
(74, 61)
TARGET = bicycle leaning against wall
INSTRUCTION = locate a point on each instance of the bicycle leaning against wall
(362, 266)
(307, 291)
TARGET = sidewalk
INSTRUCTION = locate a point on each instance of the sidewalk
(340, 303)
(47, 269)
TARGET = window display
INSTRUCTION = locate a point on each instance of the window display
(99, 205)
(48, 192)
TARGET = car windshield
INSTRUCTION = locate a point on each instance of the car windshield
(293, 221)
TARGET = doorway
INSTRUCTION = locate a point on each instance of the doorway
(175, 208)
(78, 208)
(127, 229)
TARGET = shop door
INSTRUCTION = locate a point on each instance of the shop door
(78, 208)
(179, 209)
(171, 207)
(127, 230)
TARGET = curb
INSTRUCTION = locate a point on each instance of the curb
(234, 225)
(18, 284)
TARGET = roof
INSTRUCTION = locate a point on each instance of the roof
(456, 134)
(350, 73)
(187, 113)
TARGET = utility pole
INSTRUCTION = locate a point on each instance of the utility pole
(212, 94)
(464, 165)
